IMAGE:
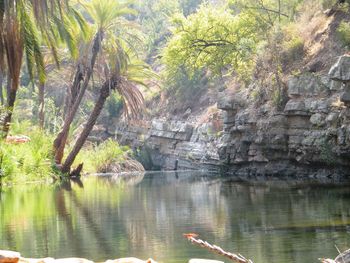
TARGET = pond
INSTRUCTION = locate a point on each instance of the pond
(145, 216)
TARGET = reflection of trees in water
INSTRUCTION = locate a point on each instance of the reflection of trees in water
(289, 224)
(107, 218)
(72, 237)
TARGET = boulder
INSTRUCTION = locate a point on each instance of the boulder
(340, 71)
(7, 256)
(37, 260)
(130, 260)
(199, 260)
(72, 260)
(317, 119)
(332, 118)
(335, 85)
(295, 107)
(345, 97)
(229, 101)
(305, 85)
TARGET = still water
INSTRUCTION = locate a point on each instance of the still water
(145, 216)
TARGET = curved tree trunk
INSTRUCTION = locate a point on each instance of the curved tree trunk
(1, 90)
(61, 139)
(41, 105)
(9, 107)
(104, 93)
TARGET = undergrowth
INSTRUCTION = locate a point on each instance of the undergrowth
(33, 161)
(97, 158)
(29, 161)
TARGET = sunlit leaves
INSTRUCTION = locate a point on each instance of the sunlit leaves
(212, 38)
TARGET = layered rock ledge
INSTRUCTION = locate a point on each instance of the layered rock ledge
(310, 137)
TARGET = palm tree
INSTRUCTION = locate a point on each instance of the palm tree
(105, 15)
(22, 23)
(117, 62)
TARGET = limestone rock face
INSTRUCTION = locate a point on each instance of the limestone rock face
(7, 256)
(257, 140)
(296, 107)
(340, 70)
(306, 85)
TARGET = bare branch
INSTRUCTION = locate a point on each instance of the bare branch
(234, 257)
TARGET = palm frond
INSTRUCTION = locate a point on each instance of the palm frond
(65, 35)
(30, 37)
(133, 99)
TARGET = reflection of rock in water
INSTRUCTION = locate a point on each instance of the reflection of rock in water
(132, 178)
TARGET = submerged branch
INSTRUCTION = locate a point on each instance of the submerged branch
(218, 250)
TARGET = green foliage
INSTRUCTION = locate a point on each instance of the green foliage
(291, 45)
(326, 4)
(189, 6)
(29, 161)
(154, 18)
(212, 38)
(268, 12)
(343, 32)
(294, 48)
(97, 158)
(114, 105)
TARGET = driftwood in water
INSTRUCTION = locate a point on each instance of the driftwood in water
(218, 250)
(341, 258)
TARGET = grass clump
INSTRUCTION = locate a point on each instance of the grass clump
(343, 32)
(98, 158)
(31, 161)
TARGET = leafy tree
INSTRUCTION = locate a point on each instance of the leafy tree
(267, 12)
(212, 38)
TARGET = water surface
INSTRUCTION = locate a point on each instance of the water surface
(145, 216)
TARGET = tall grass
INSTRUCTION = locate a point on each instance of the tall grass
(32, 161)
(29, 161)
(98, 158)
(343, 32)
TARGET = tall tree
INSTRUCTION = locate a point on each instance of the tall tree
(21, 22)
(214, 39)
(104, 15)
(117, 66)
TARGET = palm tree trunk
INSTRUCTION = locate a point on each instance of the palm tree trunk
(10, 105)
(104, 94)
(61, 139)
(1, 89)
(41, 105)
(8, 88)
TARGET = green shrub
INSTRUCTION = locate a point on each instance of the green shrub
(294, 49)
(326, 4)
(97, 158)
(343, 32)
(29, 161)
(114, 105)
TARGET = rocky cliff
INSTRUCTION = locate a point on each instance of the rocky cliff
(309, 137)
